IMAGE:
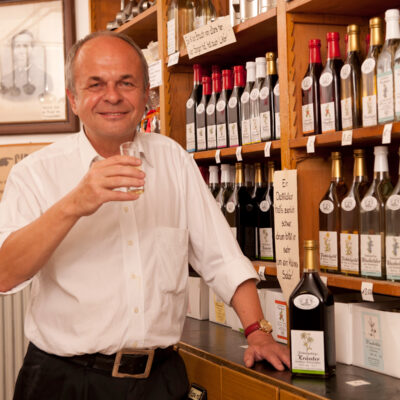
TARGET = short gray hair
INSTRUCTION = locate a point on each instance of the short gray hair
(70, 62)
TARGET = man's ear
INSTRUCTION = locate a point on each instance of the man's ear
(71, 98)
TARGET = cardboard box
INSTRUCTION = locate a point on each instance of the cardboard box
(197, 298)
(217, 311)
(276, 313)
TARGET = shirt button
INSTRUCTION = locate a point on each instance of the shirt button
(136, 310)
(130, 243)
(126, 209)
(133, 276)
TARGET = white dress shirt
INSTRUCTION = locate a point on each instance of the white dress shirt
(119, 277)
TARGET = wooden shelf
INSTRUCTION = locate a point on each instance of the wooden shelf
(142, 28)
(270, 267)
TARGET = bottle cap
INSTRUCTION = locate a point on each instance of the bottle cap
(260, 60)
(270, 56)
(375, 22)
(314, 43)
(392, 14)
(359, 152)
(332, 36)
(238, 165)
(271, 164)
(310, 244)
(353, 28)
(250, 64)
(225, 167)
(380, 150)
(336, 155)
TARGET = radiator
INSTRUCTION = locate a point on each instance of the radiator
(12, 340)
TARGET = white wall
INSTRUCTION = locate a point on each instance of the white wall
(82, 22)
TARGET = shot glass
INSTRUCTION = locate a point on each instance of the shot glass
(130, 149)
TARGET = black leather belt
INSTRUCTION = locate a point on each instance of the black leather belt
(127, 363)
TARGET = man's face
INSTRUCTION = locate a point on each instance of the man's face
(109, 95)
(22, 47)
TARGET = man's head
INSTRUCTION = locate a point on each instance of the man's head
(21, 45)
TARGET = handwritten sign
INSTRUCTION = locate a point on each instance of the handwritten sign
(286, 230)
(155, 74)
(214, 35)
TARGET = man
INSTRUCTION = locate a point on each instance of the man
(109, 267)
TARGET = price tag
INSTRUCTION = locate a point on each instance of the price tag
(367, 290)
(311, 144)
(155, 74)
(387, 134)
(347, 137)
(261, 272)
(239, 153)
(218, 156)
(324, 279)
(267, 149)
(173, 59)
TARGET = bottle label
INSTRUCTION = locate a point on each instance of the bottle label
(265, 126)
(232, 102)
(280, 321)
(393, 202)
(277, 126)
(276, 90)
(308, 355)
(306, 301)
(328, 117)
(233, 134)
(230, 207)
(190, 103)
(348, 203)
(171, 36)
(397, 88)
(211, 136)
(345, 71)
(200, 108)
(264, 93)
(349, 260)
(369, 203)
(368, 66)
(372, 340)
(246, 137)
(393, 257)
(221, 136)
(328, 249)
(306, 83)
(347, 115)
(245, 97)
(190, 137)
(385, 97)
(266, 244)
(210, 109)
(201, 138)
(254, 94)
(221, 105)
(371, 255)
(370, 117)
(265, 205)
(255, 130)
(308, 118)
(326, 206)
(326, 79)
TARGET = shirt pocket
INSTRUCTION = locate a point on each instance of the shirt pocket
(172, 249)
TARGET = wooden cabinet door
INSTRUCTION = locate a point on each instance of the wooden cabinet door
(284, 395)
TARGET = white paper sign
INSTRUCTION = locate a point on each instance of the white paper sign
(311, 144)
(347, 137)
(358, 382)
(387, 134)
(209, 37)
(261, 272)
(367, 290)
(267, 149)
(286, 230)
(173, 59)
(155, 74)
(218, 156)
(239, 153)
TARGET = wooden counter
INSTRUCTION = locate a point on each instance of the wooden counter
(214, 359)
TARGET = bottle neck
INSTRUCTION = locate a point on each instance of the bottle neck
(260, 70)
(381, 163)
(271, 67)
(239, 181)
(225, 176)
(239, 78)
(333, 49)
(271, 170)
(216, 84)
(213, 178)
(206, 88)
(359, 167)
(251, 75)
(354, 42)
(196, 76)
(392, 28)
(315, 55)
(258, 176)
(227, 82)
(337, 169)
(376, 36)
(310, 260)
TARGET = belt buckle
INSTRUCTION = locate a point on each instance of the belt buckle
(150, 356)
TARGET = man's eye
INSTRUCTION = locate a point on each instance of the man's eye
(128, 84)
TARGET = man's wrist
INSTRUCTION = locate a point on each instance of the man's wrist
(260, 325)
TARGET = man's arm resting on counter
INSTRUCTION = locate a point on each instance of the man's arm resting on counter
(262, 345)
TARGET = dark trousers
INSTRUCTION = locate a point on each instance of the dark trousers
(46, 377)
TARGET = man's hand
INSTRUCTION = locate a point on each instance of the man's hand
(263, 346)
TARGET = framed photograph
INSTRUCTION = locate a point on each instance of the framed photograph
(35, 36)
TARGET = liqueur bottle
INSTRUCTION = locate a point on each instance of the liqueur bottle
(258, 188)
(172, 28)
(311, 112)
(201, 115)
(211, 111)
(213, 181)
(254, 100)
(350, 218)
(350, 81)
(277, 107)
(248, 9)
(234, 107)
(204, 13)
(329, 86)
(372, 218)
(186, 14)
(249, 215)
(312, 321)
(249, 177)
(191, 105)
(245, 115)
(222, 117)
(329, 218)
(368, 73)
(385, 68)
(392, 218)
(226, 186)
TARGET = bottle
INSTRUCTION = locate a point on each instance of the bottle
(254, 100)
(311, 112)
(191, 105)
(329, 86)
(211, 111)
(172, 27)
(234, 107)
(264, 197)
(367, 43)
(372, 218)
(234, 12)
(312, 321)
(277, 107)
(329, 218)
(249, 177)
(248, 9)
(392, 221)
(204, 13)
(222, 118)
(249, 215)
(201, 115)
(245, 102)
(225, 188)
(350, 218)
(350, 81)
(266, 99)
(385, 73)
(368, 73)
(186, 14)
(213, 181)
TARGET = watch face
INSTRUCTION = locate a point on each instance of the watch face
(265, 326)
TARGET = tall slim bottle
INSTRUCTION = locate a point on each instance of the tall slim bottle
(186, 14)
(222, 117)
(225, 188)
(201, 115)
(172, 27)
(311, 112)
(211, 111)
(368, 73)
(372, 218)
(213, 181)
(392, 221)
(191, 105)
(259, 187)
(245, 116)
(233, 110)
(385, 68)
(350, 217)
(277, 112)
(312, 321)
(248, 9)
(329, 87)
(350, 81)
(329, 218)
(254, 100)
(204, 13)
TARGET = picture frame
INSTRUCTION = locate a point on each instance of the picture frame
(35, 36)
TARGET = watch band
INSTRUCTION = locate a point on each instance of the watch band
(261, 325)
(251, 328)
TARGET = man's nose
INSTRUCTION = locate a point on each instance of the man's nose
(112, 94)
